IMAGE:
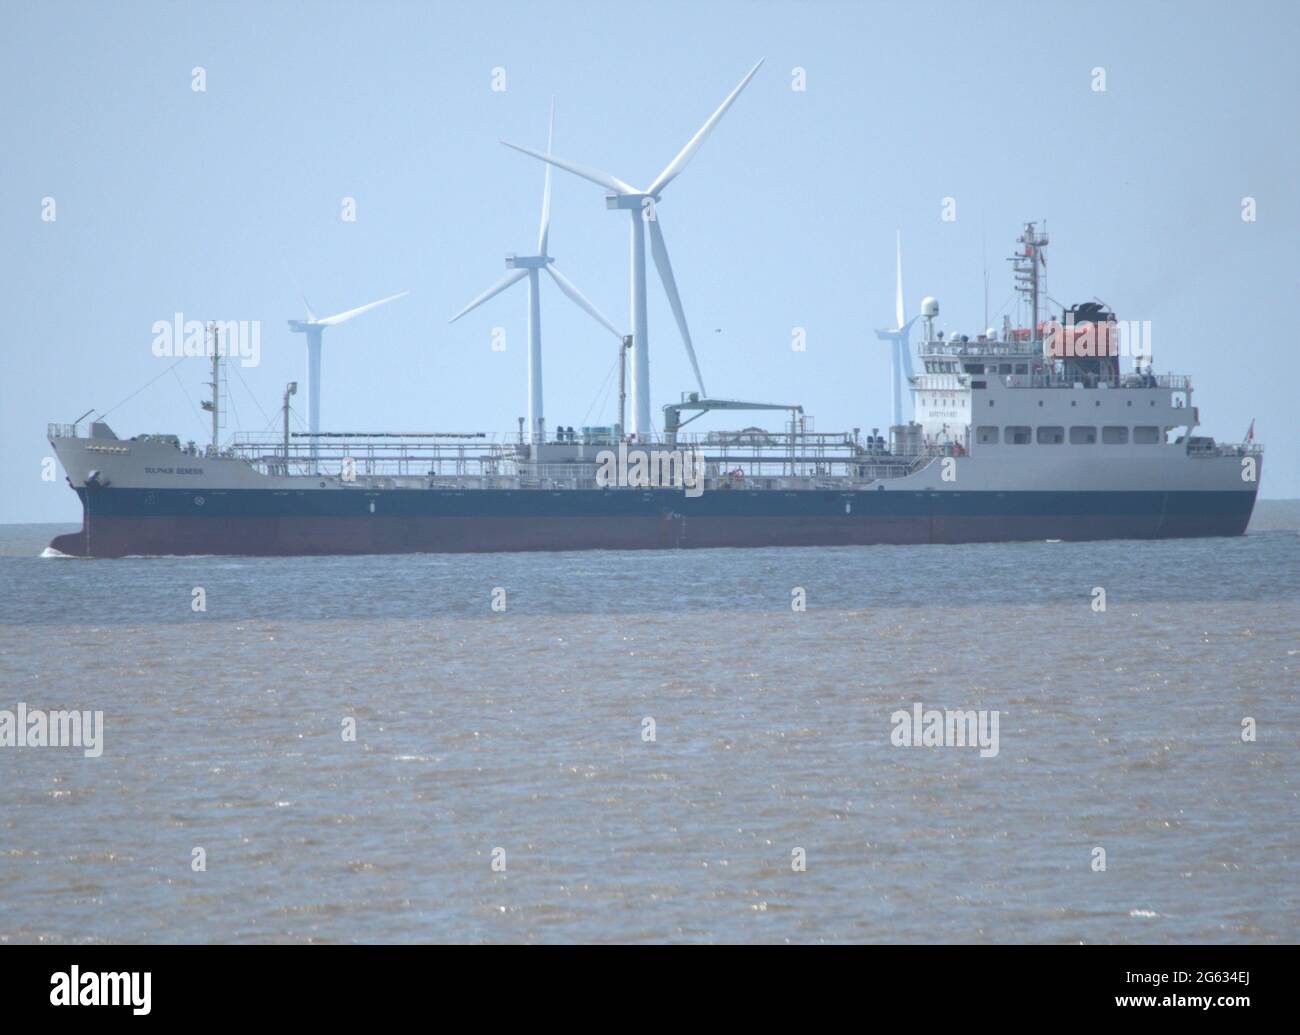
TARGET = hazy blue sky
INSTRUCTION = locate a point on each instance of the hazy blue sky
(211, 203)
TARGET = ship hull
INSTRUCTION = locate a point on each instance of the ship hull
(130, 522)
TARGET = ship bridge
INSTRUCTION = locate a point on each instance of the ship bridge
(1056, 384)
(987, 394)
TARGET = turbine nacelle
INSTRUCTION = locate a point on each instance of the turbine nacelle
(314, 323)
(632, 201)
(528, 262)
(890, 333)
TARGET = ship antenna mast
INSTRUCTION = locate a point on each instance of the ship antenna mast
(624, 347)
(213, 405)
(1028, 265)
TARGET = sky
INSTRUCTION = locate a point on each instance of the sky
(227, 202)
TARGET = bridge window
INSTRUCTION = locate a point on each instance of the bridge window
(987, 435)
(1083, 435)
(1017, 435)
(1114, 435)
(1051, 436)
(1144, 435)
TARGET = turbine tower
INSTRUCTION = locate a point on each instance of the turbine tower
(900, 360)
(522, 266)
(314, 328)
(641, 205)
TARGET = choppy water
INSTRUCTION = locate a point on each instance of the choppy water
(522, 730)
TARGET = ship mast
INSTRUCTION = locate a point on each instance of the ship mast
(290, 389)
(1028, 263)
(624, 347)
(216, 391)
(213, 405)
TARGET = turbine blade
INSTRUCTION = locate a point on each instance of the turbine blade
(545, 232)
(665, 268)
(688, 152)
(585, 171)
(311, 314)
(905, 349)
(900, 317)
(495, 289)
(571, 289)
(896, 379)
(338, 318)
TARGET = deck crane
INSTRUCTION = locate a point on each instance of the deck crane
(673, 412)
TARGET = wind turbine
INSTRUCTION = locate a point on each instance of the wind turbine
(314, 328)
(641, 205)
(521, 266)
(900, 361)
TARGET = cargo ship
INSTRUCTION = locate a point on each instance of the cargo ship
(1048, 431)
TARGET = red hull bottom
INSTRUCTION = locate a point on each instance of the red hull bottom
(303, 536)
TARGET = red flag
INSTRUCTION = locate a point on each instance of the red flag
(1250, 434)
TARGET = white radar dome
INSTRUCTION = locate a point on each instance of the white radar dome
(929, 306)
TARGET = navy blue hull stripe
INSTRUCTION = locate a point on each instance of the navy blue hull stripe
(341, 522)
(579, 503)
